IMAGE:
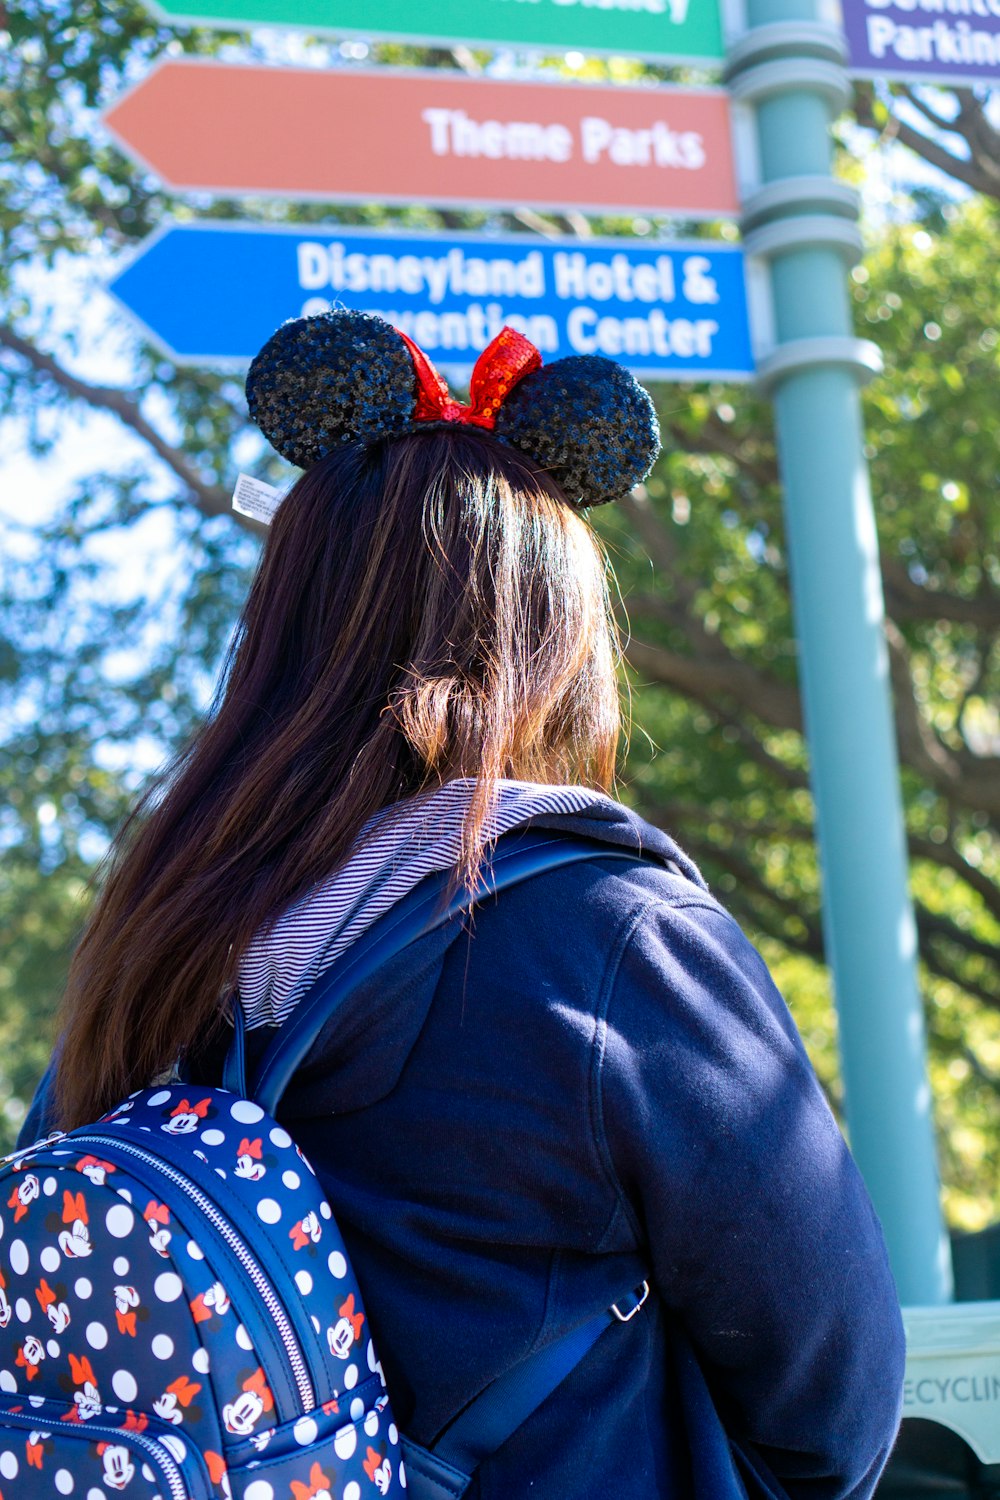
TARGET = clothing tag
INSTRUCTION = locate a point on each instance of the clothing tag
(253, 498)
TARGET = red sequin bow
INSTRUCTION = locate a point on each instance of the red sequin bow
(498, 369)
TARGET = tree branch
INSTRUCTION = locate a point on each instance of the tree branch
(790, 776)
(537, 222)
(210, 499)
(658, 541)
(939, 121)
(982, 1072)
(930, 925)
(706, 679)
(949, 856)
(919, 746)
(906, 600)
(974, 125)
(935, 964)
(684, 814)
(954, 166)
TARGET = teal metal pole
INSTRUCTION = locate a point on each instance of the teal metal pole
(786, 76)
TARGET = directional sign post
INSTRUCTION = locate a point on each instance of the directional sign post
(949, 43)
(661, 30)
(212, 294)
(382, 135)
(788, 70)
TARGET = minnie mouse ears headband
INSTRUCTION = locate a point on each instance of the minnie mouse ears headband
(349, 377)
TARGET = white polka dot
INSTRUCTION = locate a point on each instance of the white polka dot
(168, 1287)
(352, 1491)
(213, 1137)
(269, 1211)
(279, 1137)
(175, 1446)
(243, 1338)
(83, 1288)
(7, 1381)
(96, 1494)
(337, 1264)
(371, 1423)
(163, 1347)
(372, 1361)
(315, 1322)
(195, 1251)
(120, 1265)
(200, 1361)
(160, 1098)
(64, 1481)
(325, 1211)
(97, 1335)
(350, 1377)
(8, 1465)
(23, 1309)
(49, 1186)
(357, 1409)
(393, 1433)
(245, 1112)
(345, 1441)
(304, 1282)
(119, 1220)
(18, 1257)
(126, 1194)
(291, 1180)
(400, 1475)
(258, 1490)
(124, 1385)
(36, 1400)
(53, 1348)
(305, 1431)
(50, 1259)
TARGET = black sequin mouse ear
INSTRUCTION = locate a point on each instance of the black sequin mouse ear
(333, 378)
(588, 423)
(350, 377)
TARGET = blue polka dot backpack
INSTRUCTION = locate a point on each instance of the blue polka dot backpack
(178, 1314)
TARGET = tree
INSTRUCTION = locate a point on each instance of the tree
(950, 128)
(98, 688)
(717, 631)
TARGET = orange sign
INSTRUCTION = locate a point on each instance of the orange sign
(381, 135)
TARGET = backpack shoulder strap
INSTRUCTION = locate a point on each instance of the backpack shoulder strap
(517, 856)
(444, 1471)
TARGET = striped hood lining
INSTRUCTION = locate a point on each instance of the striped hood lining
(289, 954)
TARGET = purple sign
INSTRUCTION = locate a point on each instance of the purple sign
(948, 40)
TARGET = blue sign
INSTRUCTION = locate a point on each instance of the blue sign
(211, 294)
(953, 43)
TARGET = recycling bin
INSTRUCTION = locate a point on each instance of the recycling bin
(949, 1445)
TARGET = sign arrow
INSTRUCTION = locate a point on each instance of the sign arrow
(381, 135)
(947, 44)
(660, 30)
(213, 293)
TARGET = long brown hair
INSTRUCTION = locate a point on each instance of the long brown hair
(423, 609)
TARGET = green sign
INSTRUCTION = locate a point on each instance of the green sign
(659, 30)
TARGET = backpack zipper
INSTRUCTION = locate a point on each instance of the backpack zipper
(252, 1267)
(152, 1447)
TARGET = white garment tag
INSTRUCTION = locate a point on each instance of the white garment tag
(253, 498)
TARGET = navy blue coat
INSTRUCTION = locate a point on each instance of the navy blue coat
(594, 1083)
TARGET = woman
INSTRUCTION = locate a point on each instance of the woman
(593, 1085)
